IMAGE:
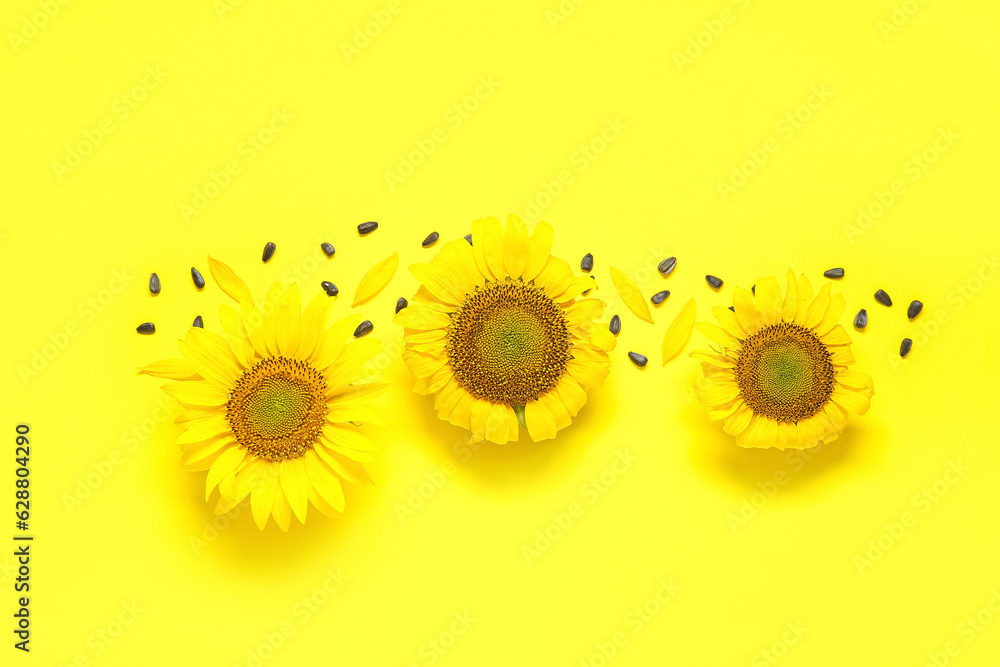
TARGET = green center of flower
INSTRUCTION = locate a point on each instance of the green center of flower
(277, 408)
(508, 342)
(785, 372)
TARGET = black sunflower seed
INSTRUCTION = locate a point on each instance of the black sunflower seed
(616, 325)
(883, 298)
(154, 283)
(367, 228)
(199, 280)
(587, 263)
(732, 309)
(329, 288)
(146, 328)
(401, 303)
(364, 329)
(914, 309)
(198, 322)
(431, 239)
(861, 319)
(753, 288)
(638, 359)
(667, 265)
(468, 237)
(834, 273)
(904, 347)
(714, 282)
(268, 252)
(659, 297)
(328, 249)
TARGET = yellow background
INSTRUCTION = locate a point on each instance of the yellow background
(649, 193)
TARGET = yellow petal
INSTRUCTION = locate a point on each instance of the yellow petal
(589, 375)
(715, 333)
(462, 259)
(541, 425)
(314, 324)
(583, 311)
(346, 468)
(804, 294)
(817, 309)
(435, 278)
(836, 336)
(323, 480)
(856, 380)
(716, 392)
(855, 401)
(421, 317)
(281, 510)
(746, 312)
(376, 279)
(834, 311)
(571, 394)
(769, 302)
(288, 331)
(515, 246)
(253, 323)
(555, 276)
(269, 313)
(214, 369)
(727, 320)
(479, 236)
(791, 303)
(539, 248)
(630, 295)
(295, 484)
(679, 332)
(497, 426)
(237, 335)
(197, 392)
(227, 462)
(492, 242)
(230, 283)
(262, 496)
(714, 359)
(171, 369)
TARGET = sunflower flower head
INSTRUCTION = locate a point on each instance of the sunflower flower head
(499, 334)
(270, 408)
(782, 376)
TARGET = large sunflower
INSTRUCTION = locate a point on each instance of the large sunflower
(782, 377)
(500, 336)
(268, 407)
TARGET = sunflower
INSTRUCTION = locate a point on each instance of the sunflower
(782, 377)
(499, 334)
(269, 407)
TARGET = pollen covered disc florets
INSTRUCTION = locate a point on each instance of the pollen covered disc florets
(277, 408)
(785, 372)
(508, 342)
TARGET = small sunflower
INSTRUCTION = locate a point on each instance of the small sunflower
(782, 377)
(269, 407)
(499, 334)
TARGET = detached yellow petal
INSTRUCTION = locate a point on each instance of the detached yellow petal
(630, 294)
(230, 283)
(376, 279)
(171, 369)
(679, 332)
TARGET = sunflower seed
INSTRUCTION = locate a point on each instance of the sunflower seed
(667, 265)
(146, 328)
(638, 359)
(154, 283)
(904, 347)
(659, 297)
(367, 228)
(883, 298)
(914, 309)
(753, 289)
(732, 309)
(430, 240)
(861, 319)
(468, 237)
(364, 329)
(616, 325)
(714, 282)
(329, 288)
(199, 280)
(268, 252)
(401, 304)
(328, 249)
(834, 273)
(587, 263)
(198, 322)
